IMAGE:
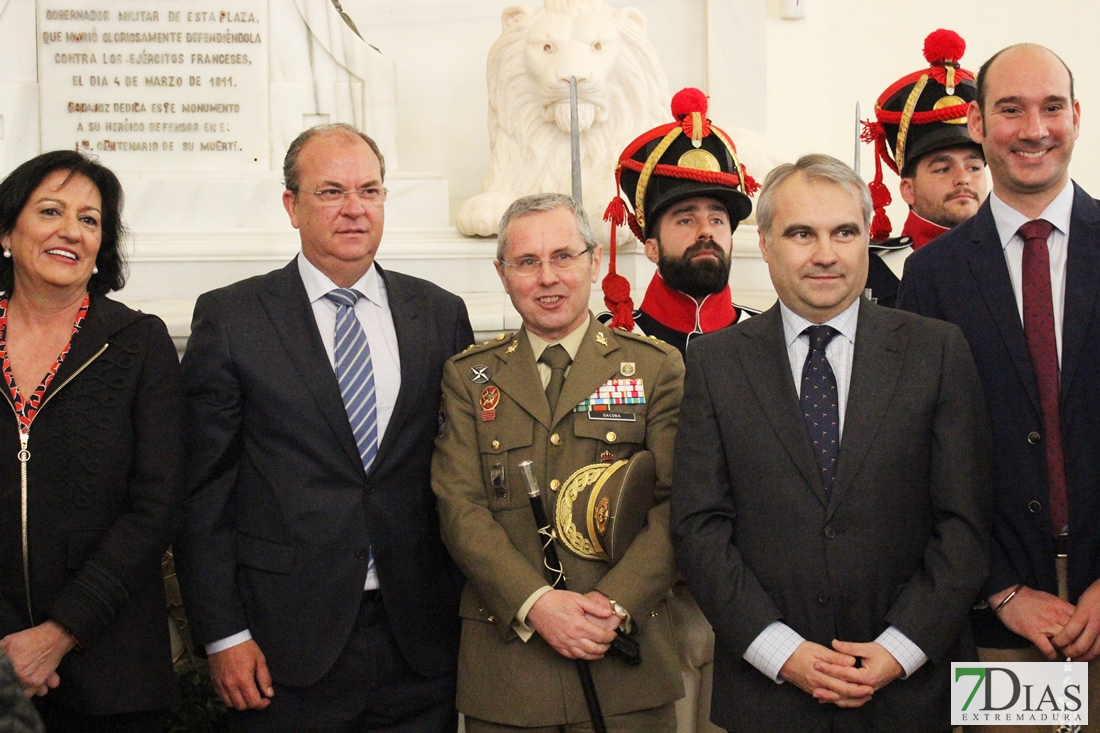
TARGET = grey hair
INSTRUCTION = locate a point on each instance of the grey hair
(536, 203)
(817, 167)
(335, 130)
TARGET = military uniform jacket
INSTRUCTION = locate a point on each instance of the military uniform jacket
(488, 525)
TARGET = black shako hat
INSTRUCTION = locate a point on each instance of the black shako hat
(919, 113)
(672, 162)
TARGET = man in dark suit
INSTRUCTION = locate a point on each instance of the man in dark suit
(310, 557)
(1021, 280)
(830, 499)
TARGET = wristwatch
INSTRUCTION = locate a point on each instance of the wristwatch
(618, 610)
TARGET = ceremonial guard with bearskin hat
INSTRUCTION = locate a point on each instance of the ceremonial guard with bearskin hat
(564, 620)
(688, 193)
(920, 132)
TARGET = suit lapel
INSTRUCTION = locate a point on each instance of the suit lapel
(1082, 278)
(768, 369)
(876, 368)
(291, 315)
(410, 328)
(518, 377)
(589, 370)
(987, 262)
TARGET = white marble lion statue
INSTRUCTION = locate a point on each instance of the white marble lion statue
(621, 93)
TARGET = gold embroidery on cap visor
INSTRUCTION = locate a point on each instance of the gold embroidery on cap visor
(582, 478)
(602, 507)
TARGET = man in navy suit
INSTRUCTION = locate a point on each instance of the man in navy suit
(1021, 279)
(310, 555)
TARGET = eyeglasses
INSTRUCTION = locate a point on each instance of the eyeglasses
(527, 266)
(339, 196)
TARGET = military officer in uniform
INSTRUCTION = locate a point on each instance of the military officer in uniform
(919, 136)
(570, 395)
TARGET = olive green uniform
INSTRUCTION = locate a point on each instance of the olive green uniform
(487, 523)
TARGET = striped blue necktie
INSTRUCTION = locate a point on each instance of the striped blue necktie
(355, 373)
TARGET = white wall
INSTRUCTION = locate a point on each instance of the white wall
(803, 90)
(846, 51)
(440, 48)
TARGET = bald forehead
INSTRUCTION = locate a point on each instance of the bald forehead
(1006, 66)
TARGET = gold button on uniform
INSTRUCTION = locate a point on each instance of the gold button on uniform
(496, 445)
(555, 439)
(555, 485)
(611, 437)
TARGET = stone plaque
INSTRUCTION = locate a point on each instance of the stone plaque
(170, 85)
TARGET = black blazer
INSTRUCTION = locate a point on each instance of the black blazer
(962, 277)
(279, 515)
(104, 481)
(901, 541)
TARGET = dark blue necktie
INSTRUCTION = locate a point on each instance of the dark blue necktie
(820, 403)
(355, 374)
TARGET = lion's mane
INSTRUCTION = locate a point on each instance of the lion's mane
(530, 153)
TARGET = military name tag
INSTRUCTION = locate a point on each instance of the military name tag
(619, 416)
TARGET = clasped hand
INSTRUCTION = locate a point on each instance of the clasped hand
(576, 626)
(831, 675)
(1057, 628)
(35, 654)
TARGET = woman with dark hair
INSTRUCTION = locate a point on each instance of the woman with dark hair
(90, 456)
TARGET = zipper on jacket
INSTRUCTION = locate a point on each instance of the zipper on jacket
(24, 457)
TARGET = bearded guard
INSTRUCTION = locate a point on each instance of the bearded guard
(681, 160)
(673, 165)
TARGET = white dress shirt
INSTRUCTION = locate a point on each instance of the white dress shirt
(1008, 221)
(373, 313)
(771, 649)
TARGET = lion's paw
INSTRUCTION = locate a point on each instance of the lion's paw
(480, 215)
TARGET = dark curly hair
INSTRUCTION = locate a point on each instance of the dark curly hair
(17, 188)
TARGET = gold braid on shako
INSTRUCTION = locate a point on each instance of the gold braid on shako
(920, 112)
(652, 172)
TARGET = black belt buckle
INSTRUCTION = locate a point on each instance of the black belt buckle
(1061, 544)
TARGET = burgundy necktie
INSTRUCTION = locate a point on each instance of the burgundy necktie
(1043, 349)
